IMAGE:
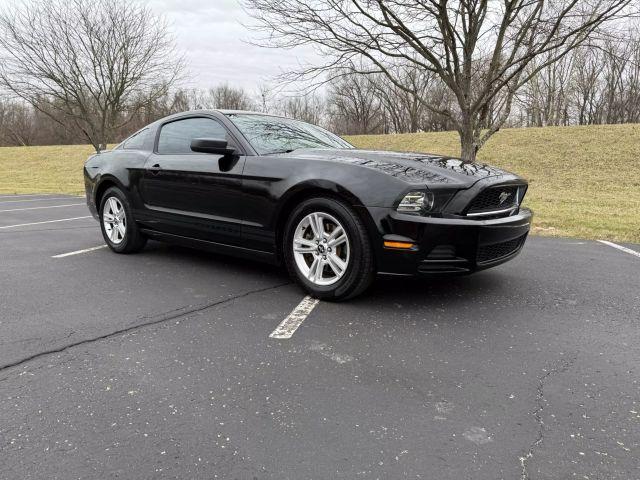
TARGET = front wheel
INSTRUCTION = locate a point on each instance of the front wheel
(327, 250)
(118, 226)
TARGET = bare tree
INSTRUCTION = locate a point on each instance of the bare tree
(96, 62)
(226, 97)
(16, 124)
(307, 108)
(221, 96)
(480, 49)
(547, 96)
(355, 105)
(404, 109)
(632, 93)
(266, 95)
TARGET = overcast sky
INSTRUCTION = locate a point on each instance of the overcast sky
(215, 42)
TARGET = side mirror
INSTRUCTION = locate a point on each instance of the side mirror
(211, 145)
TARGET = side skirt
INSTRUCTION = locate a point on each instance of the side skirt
(233, 250)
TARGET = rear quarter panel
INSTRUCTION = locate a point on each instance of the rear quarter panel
(122, 168)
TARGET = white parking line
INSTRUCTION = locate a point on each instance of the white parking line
(620, 247)
(48, 221)
(78, 252)
(40, 208)
(40, 199)
(290, 324)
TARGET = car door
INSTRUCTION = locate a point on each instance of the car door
(193, 194)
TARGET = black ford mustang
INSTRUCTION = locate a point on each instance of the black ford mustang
(288, 192)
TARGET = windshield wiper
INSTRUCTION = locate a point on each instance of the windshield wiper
(277, 152)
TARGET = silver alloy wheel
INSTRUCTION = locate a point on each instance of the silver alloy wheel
(321, 248)
(114, 220)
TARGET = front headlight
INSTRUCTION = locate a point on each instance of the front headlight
(416, 202)
(420, 202)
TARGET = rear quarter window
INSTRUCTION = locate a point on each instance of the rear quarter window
(138, 141)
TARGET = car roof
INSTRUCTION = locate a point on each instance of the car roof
(210, 111)
(234, 112)
(243, 112)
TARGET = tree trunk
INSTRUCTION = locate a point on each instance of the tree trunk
(468, 142)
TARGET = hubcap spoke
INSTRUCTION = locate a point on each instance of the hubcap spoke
(336, 264)
(320, 226)
(313, 268)
(319, 270)
(338, 230)
(337, 241)
(313, 223)
(304, 246)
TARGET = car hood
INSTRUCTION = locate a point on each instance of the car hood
(412, 167)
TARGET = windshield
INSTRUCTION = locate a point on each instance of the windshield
(268, 135)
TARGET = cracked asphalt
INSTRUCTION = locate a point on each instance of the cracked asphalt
(159, 365)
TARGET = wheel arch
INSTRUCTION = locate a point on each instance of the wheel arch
(103, 185)
(304, 191)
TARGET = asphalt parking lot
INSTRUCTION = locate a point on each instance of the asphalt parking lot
(161, 364)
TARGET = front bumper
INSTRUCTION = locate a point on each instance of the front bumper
(447, 245)
(92, 206)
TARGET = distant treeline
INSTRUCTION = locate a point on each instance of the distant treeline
(94, 71)
(598, 84)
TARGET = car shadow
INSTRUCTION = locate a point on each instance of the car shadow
(236, 265)
(437, 289)
(385, 288)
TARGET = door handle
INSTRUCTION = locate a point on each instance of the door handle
(155, 169)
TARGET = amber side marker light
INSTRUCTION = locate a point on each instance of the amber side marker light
(399, 245)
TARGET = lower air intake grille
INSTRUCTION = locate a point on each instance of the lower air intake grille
(442, 252)
(496, 251)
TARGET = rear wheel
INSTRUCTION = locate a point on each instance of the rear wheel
(327, 250)
(119, 228)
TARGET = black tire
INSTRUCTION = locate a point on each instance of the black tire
(360, 271)
(133, 240)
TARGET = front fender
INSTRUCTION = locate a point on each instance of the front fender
(273, 185)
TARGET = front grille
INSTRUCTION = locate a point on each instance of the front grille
(494, 199)
(496, 251)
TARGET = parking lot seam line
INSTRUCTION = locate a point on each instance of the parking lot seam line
(40, 208)
(564, 365)
(78, 252)
(85, 227)
(155, 320)
(39, 199)
(17, 195)
(289, 325)
(620, 247)
(48, 221)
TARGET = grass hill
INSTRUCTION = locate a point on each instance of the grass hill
(584, 181)
(56, 169)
